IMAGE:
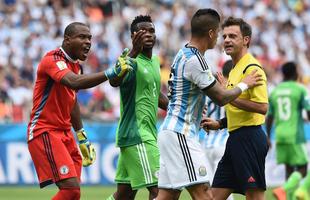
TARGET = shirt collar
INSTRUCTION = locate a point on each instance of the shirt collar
(243, 58)
(67, 56)
(140, 55)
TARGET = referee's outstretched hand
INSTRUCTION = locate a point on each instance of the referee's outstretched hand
(253, 79)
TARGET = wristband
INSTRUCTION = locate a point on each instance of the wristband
(110, 73)
(242, 86)
(222, 122)
(81, 135)
(82, 129)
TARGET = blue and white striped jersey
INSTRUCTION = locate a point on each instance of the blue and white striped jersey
(217, 138)
(189, 75)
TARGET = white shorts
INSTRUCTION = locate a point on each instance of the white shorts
(214, 155)
(182, 161)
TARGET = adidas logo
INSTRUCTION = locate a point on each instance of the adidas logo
(251, 180)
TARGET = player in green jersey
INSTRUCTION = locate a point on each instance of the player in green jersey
(287, 101)
(138, 162)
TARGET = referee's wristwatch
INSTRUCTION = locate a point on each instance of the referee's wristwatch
(222, 122)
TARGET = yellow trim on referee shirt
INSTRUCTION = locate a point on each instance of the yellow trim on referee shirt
(236, 117)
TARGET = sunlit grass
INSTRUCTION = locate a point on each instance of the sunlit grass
(88, 193)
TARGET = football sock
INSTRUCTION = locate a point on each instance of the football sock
(110, 197)
(301, 194)
(68, 194)
(292, 182)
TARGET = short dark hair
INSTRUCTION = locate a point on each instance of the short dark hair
(245, 28)
(289, 71)
(137, 20)
(204, 20)
(71, 28)
(228, 65)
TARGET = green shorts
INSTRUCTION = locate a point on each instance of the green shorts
(292, 154)
(138, 165)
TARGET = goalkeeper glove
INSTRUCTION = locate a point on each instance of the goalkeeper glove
(86, 148)
(123, 65)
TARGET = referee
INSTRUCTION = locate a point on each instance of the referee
(242, 167)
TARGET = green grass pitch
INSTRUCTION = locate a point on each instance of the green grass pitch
(88, 193)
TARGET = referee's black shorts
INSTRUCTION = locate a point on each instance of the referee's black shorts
(242, 166)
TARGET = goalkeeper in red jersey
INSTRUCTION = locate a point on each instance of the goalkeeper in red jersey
(55, 110)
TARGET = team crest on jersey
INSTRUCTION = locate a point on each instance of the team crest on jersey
(210, 75)
(64, 170)
(202, 171)
(61, 65)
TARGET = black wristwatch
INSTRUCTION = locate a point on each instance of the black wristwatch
(222, 122)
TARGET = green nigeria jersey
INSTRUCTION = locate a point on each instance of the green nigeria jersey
(286, 103)
(139, 93)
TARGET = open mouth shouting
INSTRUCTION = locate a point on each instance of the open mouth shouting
(85, 51)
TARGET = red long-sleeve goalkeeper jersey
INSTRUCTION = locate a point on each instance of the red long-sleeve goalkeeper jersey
(52, 101)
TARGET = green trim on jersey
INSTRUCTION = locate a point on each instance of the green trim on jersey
(286, 103)
(139, 94)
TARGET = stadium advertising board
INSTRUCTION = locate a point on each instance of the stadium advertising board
(16, 166)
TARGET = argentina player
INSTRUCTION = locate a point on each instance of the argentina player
(182, 162)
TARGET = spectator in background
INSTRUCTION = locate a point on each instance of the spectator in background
(20, 95)
(95, 106)
(31, 28)
(5, 108)
(5, 111)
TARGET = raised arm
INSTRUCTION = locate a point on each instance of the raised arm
(77, 81)
(137, 45)
(221, 96)
(83, 81)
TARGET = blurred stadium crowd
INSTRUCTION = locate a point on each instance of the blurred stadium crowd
(30, 28)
